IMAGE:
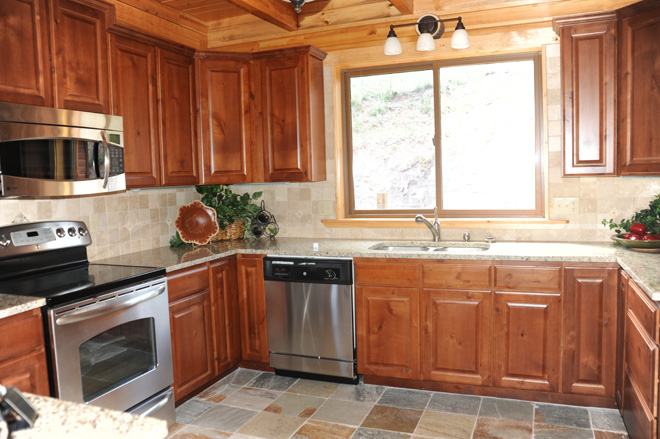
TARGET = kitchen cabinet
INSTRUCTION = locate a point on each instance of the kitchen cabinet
(191, 328)
(226, 118)
(81, 55)
(588, 72)
(134, 97)
(621, 307)
(178, 115)
(640, 382)
(290, 114)
(590, 328)
(252, 308)
(23, 353)
(27, 79)
(226, 319)
(639, 94)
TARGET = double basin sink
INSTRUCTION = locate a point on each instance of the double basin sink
(442, 246)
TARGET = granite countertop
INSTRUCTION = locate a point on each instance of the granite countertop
(644, 268)
(64, 419)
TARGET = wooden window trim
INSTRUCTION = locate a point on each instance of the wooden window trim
(346, 216)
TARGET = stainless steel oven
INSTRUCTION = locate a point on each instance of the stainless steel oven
(108, 325)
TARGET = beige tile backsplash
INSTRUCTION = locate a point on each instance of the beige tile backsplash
(140, 220)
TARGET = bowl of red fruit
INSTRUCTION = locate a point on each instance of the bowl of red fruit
(639, 239)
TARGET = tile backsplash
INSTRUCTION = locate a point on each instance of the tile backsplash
(140, 220)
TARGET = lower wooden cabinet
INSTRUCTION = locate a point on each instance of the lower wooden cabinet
(22, 353)
(457, 333)
(387, 327)
(226, 324)
(252, 307)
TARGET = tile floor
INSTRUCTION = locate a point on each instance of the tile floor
(250, 403)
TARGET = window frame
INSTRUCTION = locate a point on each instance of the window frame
(349, 199)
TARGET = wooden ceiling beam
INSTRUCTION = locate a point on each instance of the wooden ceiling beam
(273, 11)
(406, 7)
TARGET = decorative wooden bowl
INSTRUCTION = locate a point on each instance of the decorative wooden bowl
(196, 223)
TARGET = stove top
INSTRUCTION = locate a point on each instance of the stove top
(49, 260)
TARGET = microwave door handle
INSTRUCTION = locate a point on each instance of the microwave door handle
(106, 160)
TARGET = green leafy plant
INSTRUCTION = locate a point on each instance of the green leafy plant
(649, 217)
(229, 206)
(176, 240)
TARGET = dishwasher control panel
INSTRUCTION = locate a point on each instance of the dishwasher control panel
(335, 271)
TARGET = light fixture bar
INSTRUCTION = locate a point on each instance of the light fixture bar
(434, 27)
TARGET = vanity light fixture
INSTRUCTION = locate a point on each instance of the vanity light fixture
(429, 28)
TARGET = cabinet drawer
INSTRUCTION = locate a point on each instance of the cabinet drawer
(539, 278)
(29, 372)
(21, 333)
(644, 309)
(387, 273)
(458, 276)
(185, 282)
(640, 422)
(641, 361)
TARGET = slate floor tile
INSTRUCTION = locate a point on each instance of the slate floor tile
(392, 418)
(224, 418)
(270, 381)
(358, 393)
(268, 425)
(323, 430)
(491, 428)
(370, 433)
(545, 431)
(453, 403)
(554, 414)
(313, 388)
(290, 404)
(194, 432)
(218, 392)
(445, 425)
(606, 419)
(609, 435)
(253, 399)
(190, 410)
(241, 377)
(405, 398)
(511, 409)
(342, 412)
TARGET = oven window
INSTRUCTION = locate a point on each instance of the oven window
(117, 356)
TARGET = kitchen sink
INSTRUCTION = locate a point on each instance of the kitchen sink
(442, 246)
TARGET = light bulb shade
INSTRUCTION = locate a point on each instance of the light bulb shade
(425, 42)
(460, 39)
(393, 46)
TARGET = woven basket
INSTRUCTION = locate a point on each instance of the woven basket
(235, 230)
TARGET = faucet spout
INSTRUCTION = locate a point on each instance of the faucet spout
(433, 227)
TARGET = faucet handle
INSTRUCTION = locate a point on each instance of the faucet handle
(435, 213)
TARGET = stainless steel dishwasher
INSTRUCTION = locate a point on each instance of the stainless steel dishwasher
(310, 307)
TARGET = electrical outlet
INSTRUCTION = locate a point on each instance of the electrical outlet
(567, 206)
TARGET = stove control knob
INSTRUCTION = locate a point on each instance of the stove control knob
(82, 231)
(60, 232)
(4, 242)
(72, 231)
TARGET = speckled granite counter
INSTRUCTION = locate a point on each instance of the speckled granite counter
(63, 419)
(10, 305)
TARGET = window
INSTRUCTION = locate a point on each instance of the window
(463, 137)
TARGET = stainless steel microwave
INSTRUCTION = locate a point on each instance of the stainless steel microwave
(49, 152)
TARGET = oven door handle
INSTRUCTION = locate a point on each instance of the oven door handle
(164, 399)
(102, 308)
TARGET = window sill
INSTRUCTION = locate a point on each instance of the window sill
(447, 223)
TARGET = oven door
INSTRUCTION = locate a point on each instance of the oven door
(114, 350)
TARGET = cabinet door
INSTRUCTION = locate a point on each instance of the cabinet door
(387, 327)
(226, 323)
(226, 121)
(81, 56)
(29, 372)
(457, 336)
(293, 126)
(176, 85)
(590, 320)
(192, 342)
(25, 76)
(620, 335)
(639, 94)
(527, 335)
(588, 63)
(252, 307)
(133, 70)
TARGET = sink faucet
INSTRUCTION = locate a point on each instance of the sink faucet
(434, 228)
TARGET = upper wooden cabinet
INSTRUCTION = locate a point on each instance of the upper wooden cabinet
(639, 91)
(227, 127)
(588, 72)
(25, 76)
(134, 97)
(81, 55)
(289, 90)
